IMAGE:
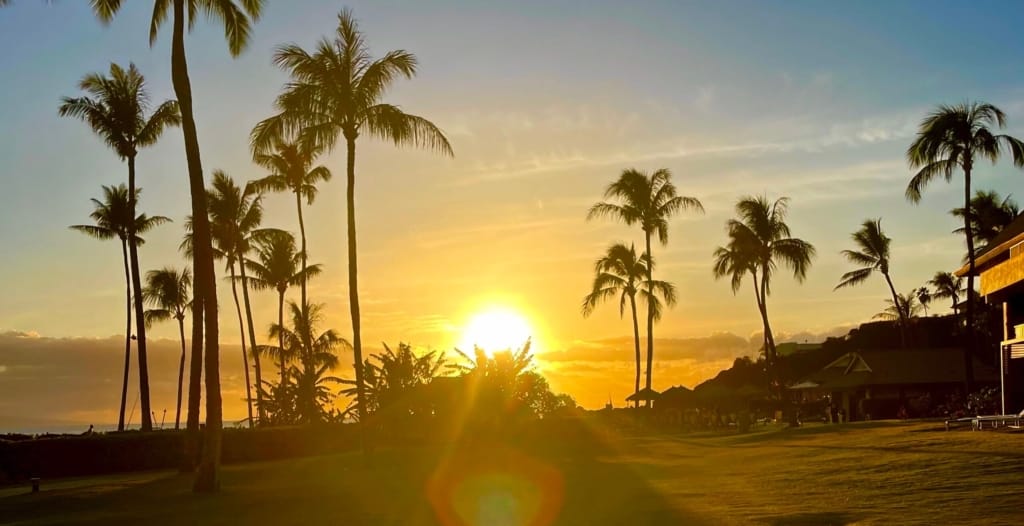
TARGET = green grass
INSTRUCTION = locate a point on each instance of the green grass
(872, 473)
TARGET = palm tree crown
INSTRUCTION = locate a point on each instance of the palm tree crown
(291, 169)
(990, 214)
(115, 108)
(167, 291)
(872, 254)
(110, 216)
(762, 229)
(649, 201)
(276, 264)
(947, 286)
(337, 90)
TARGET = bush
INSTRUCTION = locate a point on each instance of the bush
(66, 456)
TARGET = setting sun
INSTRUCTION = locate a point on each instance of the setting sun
(496, 330)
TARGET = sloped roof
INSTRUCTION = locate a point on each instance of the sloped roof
(1007, 237)
(644, 394)
(897, 367)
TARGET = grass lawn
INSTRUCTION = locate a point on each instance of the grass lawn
(870, 473)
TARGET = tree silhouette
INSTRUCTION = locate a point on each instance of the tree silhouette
(116, 107)
(953, 137)
(872, 254)
(760, 240)
(904, 305)
(235, 17)
(990, 214)
(111, 219)
(306, 385)
(392, 377)
(167, 290)
(292, 170)
(948, 286)
(336, 91)
(648, 201)
(235, 215)
(621, 273)
(277, 266)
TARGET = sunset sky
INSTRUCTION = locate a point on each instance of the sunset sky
(544, 104)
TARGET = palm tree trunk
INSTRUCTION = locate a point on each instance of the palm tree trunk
(764, 331)
(181, 368)
(245, 355)
(302, 235)
(353, 282)
(205, 289)
(280, 332)
(140, 323)
(260, 409)
(770, 352)
(636, 343)
(127, 333)
(969, 347)
(899, 310)
(650, 312)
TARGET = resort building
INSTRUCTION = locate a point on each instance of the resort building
(1000, 267)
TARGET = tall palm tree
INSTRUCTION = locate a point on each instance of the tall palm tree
(167, 290)
(235, 215)
(990, 214)
(619, 273)
(924, 297)
(336, 91)
(292, 170)
(872, 255)
(953, 137)
(759, 241)
(116, 107)
(648, 201)
(948, 286)
(236, 18)
(112, 218)
(277, 266)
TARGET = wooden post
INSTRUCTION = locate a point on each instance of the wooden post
(1002, 358)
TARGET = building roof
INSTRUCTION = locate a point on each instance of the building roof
(644, 394)
(895, 367)
(1007, 237)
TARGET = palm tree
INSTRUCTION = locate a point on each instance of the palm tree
(619, 273)
(291, 166)
(760, 240)
(990, 214)
(236, 18)
(954, 137)
(649, 201)
(277, 266)
(924, 297)
(872, 255)
(948, 286)
(315, 359)
(905, 305)
(336, 91)
(393, 377)
(167, 290)
(115, 108)
(111, 218)
(235, 215)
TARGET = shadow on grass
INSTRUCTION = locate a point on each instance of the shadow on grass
(572, 482)
(827, 518)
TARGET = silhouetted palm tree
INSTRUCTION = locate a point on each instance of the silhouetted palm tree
(948, 286)
(277, 266)
(315, 358)
(904, 305)
(953, 137)
(759, 241)
(292, 170)
(619, 273)
(648, 201)
(924, 297)
(111, 218)
(990, 214)
(235, 215)
(336, 91)
(872, 255)
(115, 108)
(235, 17)
(167, 290)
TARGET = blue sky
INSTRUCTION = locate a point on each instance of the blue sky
(544, 102)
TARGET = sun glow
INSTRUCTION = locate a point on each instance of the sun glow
(496, 330)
